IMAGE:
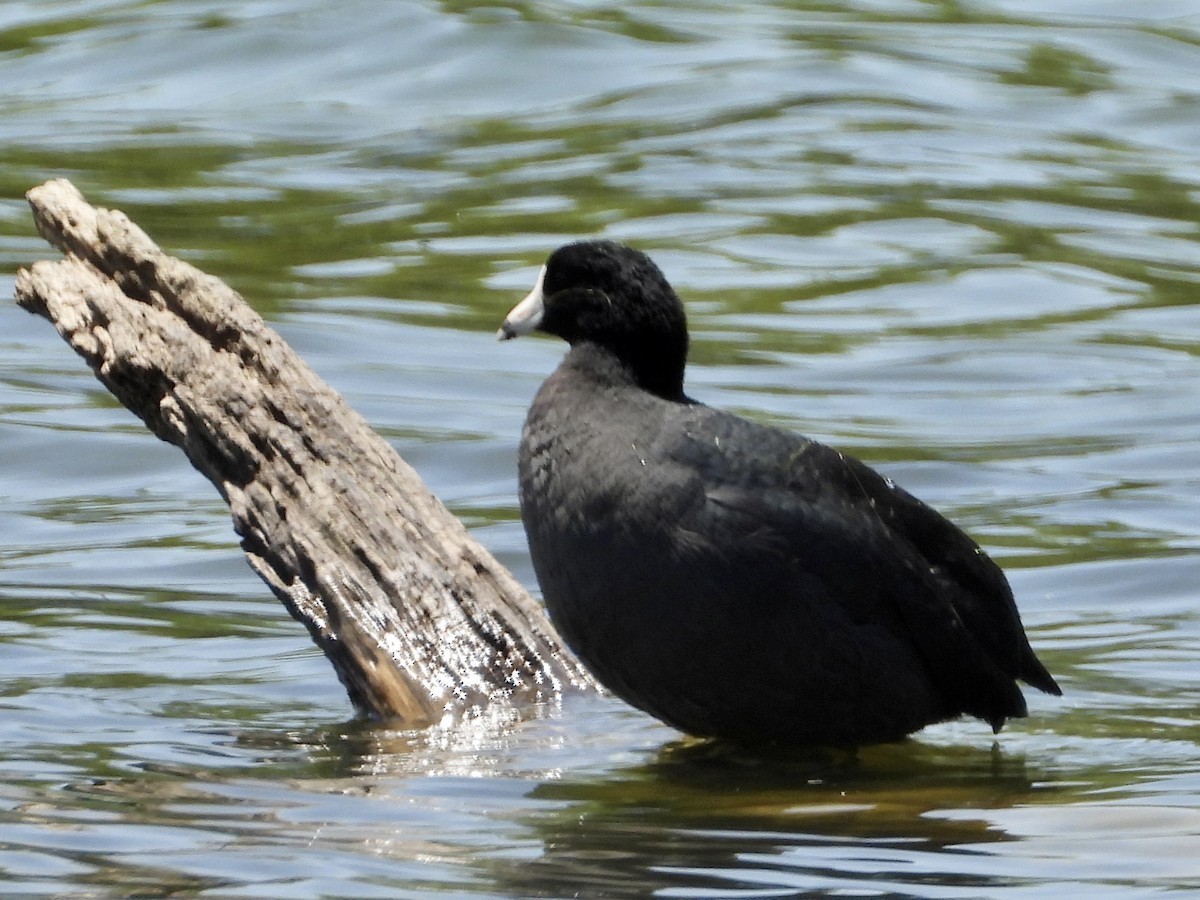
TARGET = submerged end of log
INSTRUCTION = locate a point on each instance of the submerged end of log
(419, 620)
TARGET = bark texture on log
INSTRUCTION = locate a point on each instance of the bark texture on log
(418, 619)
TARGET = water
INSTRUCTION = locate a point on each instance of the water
(957, 239)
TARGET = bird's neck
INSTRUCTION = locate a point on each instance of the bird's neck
(660, 373)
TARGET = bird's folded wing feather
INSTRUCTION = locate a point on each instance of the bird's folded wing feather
(876, 548)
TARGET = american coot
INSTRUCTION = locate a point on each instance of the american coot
(731, 578)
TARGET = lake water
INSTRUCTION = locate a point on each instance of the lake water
(958, 239)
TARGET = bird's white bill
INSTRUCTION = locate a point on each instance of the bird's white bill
(526, 315)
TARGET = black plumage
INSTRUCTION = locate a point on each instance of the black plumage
(731, 578)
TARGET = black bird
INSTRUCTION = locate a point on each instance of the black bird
(733, 579)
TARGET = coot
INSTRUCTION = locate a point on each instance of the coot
(731, 578)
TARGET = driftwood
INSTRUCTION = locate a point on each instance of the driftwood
(418, 619)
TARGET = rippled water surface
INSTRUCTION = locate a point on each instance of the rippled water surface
(958, 239)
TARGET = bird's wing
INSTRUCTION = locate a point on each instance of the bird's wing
(877, 549)
(971, 581)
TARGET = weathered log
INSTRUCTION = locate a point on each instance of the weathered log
(419, 620)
